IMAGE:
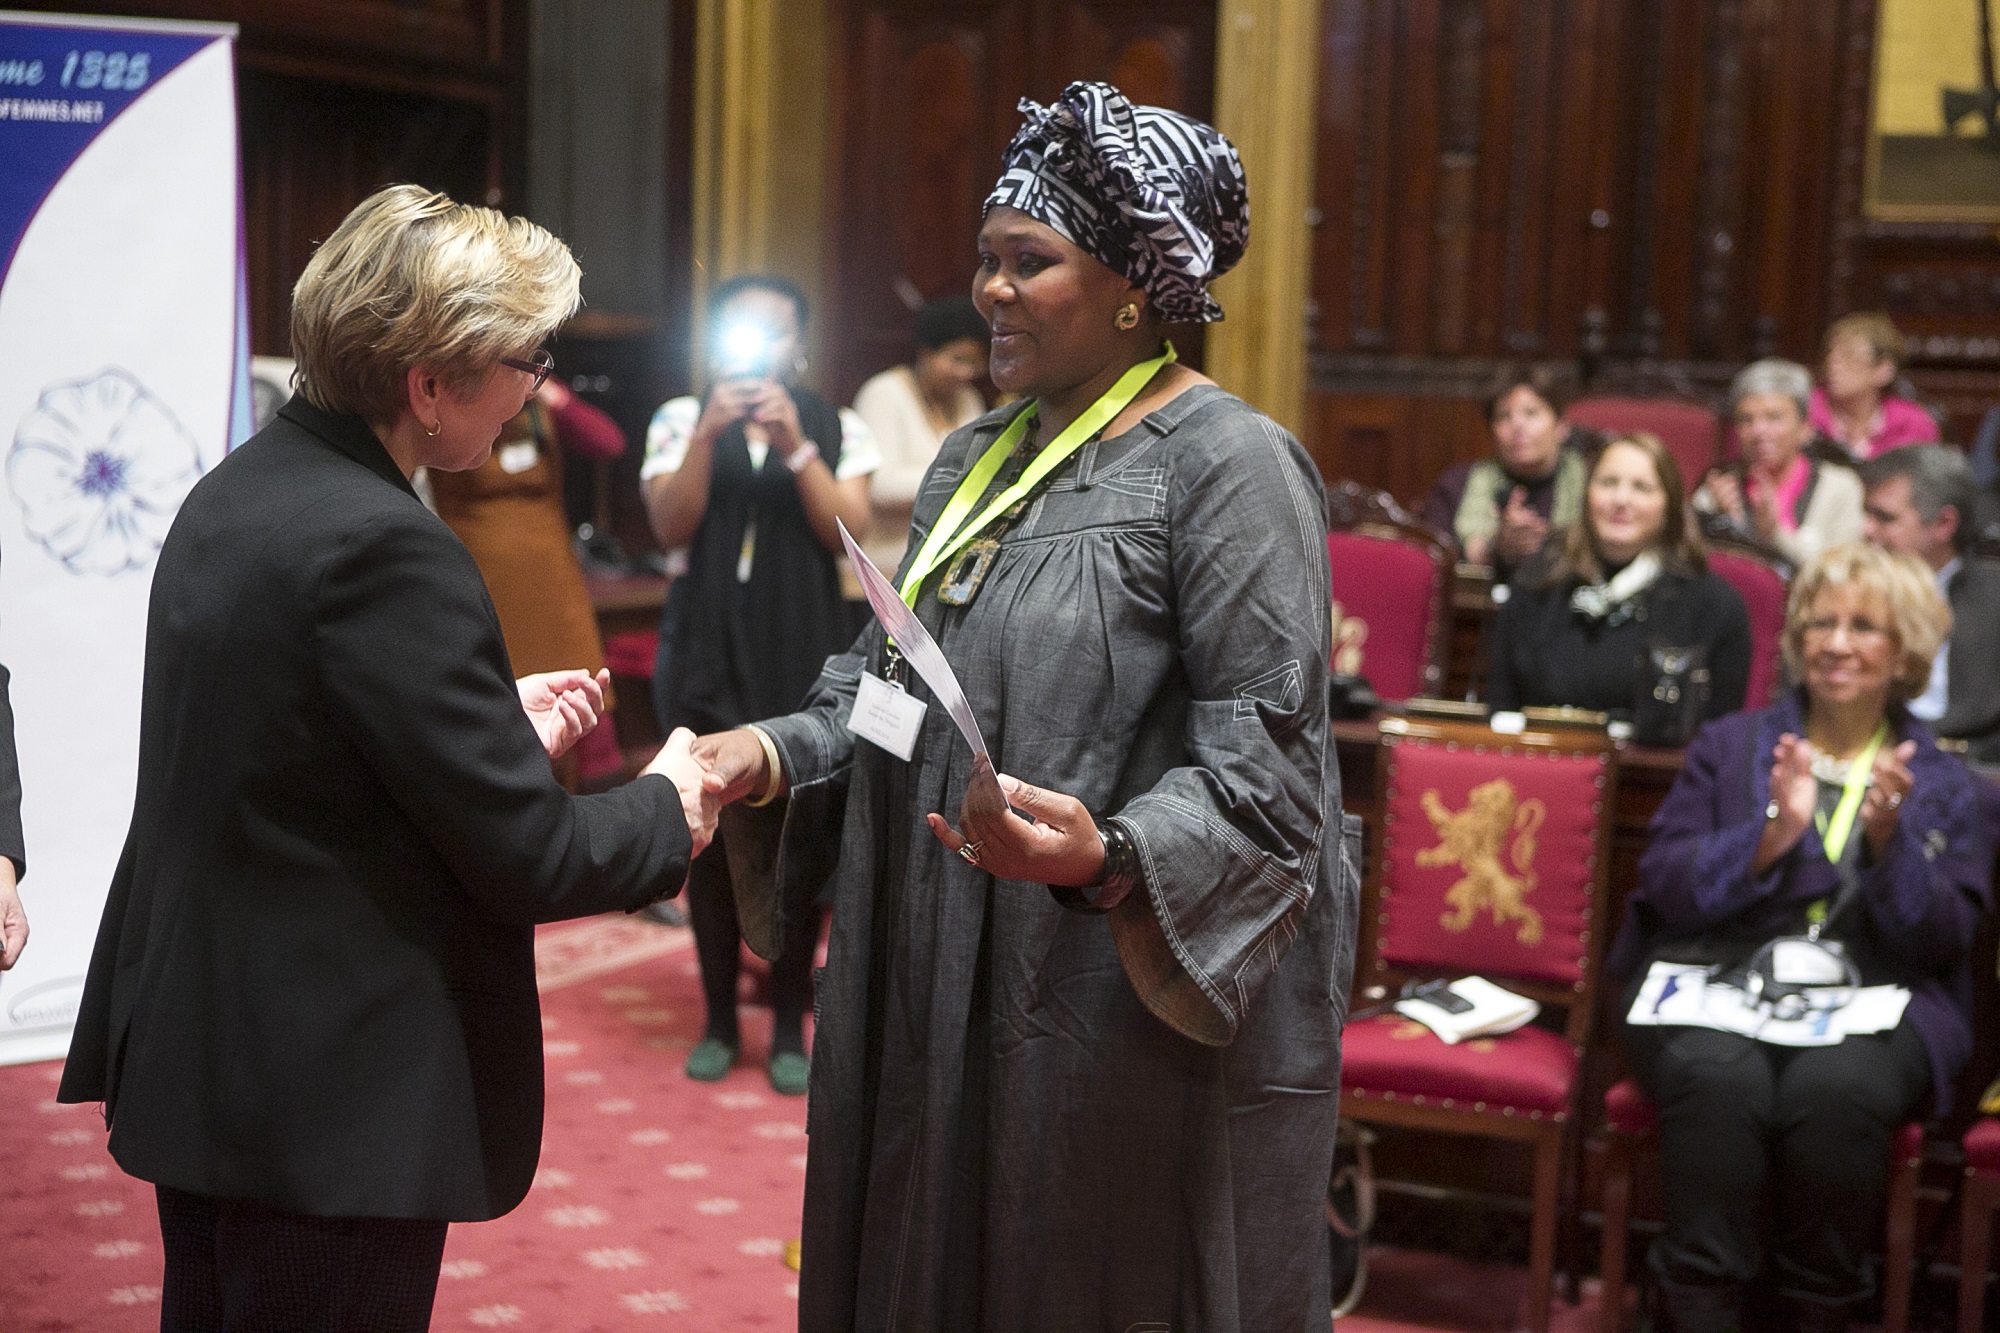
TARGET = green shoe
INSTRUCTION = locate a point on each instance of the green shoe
(790, 1072)
(711, 1060)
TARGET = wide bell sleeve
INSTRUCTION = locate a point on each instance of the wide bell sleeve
(1229, 843)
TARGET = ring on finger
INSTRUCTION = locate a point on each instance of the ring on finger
(1895, 799)
(969, 852)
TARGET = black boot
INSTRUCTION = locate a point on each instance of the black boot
(1701, 1309)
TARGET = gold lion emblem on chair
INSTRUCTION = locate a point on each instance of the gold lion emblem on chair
(1475, 840)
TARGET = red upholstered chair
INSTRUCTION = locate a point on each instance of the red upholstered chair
(1762, 578)
(1493, 856)
(1391, 593)
(1691, 432)
(630, 654)
(1979, 1197)
(1629, 1125)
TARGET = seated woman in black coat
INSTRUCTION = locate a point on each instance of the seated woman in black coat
(1587, 611)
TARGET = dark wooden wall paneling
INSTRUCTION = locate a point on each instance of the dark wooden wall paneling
(339, 97)
(924, 98)
(1651, 191)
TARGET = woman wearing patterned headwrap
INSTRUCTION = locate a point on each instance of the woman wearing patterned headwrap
(1081, 1072)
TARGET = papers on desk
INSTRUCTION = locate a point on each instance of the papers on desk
(1684, 995)
(1468, 1007)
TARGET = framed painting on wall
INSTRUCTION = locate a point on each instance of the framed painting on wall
(1934, 122)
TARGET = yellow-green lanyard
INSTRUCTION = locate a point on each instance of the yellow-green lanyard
(1834, 832)
(952, 532)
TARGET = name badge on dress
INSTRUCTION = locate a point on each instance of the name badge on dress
(887, 715)
(518, 457)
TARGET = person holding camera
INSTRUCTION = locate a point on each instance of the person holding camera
(752, 478)
(1831, 818)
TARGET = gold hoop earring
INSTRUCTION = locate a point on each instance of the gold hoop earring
(435, 429)
(1128, 318)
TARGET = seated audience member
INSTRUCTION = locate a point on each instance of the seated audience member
(912, 408)
(1919, 502)
(1853, 406)
(1777, 493)
(1587, 610)
(1501, 509)
(1831, 807)
(509, 513)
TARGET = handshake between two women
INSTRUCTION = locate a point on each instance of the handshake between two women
(564, 706)
(1017, 832)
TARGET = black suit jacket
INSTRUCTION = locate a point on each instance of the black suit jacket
(314, 983)
(12, 845)
(1972, 670)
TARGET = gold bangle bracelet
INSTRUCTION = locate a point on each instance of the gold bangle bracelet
(775, 769)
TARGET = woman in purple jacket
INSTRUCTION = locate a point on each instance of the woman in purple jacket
(1835, 807)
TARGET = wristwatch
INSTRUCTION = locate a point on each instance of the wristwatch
(800, 458)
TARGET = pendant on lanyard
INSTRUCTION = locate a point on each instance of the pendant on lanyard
(956, 527)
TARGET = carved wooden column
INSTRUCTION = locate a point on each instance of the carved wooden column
(1266, 101)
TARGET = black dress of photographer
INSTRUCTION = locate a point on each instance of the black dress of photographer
(1635, 643)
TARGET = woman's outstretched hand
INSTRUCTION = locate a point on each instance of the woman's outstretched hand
(699, 789)
(1883, 805)
(563, 705)
(736, 764)
(1056, 844)
(1794, 793)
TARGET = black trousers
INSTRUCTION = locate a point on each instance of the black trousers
(234, 1266)
(1775, 1160)
(718, 941)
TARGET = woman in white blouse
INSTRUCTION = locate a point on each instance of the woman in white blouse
(910, 410)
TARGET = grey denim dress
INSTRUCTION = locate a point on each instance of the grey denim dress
(1025, 1117)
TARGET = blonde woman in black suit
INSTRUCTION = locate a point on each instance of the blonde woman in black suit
(311, 1014)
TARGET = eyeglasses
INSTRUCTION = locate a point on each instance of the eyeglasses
(537, 363)
(1859, 630)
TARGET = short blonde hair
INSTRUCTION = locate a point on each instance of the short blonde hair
(1884, 339)
(414, 278)
(1918, 615)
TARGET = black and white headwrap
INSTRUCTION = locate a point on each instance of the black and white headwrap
(1154, 194)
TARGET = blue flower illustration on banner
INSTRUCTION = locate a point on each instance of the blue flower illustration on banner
(99, 469)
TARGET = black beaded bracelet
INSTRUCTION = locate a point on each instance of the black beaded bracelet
(1121, 863)
(1121, 874)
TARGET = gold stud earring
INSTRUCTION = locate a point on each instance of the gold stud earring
(1128, 318)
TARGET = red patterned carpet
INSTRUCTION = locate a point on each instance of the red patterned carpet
(660, 1202)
